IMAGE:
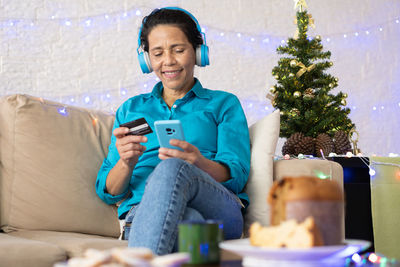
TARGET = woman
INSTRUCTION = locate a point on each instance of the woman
(159, 187)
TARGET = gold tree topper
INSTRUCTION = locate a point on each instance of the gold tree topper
(300, 4)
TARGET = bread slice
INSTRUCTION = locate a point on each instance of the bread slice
(289, 234)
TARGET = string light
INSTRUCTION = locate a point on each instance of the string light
(372, 172)
(86, 99)
(63, 111)
(137, 11)
(356, 258)
(373, 258)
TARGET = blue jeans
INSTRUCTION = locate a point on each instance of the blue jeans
(177, 191)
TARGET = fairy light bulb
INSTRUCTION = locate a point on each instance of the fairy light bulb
(372, 172)
(62, 111)
(373, 258)
(398, 175)
(94, 121)
(356, 258)
(349, 154)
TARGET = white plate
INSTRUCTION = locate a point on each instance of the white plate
(243, 248)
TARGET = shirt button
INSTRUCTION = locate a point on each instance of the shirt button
(174, 106)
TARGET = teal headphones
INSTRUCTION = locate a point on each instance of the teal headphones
(202, 58)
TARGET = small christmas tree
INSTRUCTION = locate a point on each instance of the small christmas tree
(302, 92)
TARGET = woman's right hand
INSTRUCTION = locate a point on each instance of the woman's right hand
(129, 146)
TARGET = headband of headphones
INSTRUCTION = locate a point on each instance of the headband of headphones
(202, 58)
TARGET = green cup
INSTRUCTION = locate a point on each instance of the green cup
(200, 240)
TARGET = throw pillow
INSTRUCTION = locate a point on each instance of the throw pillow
(50, 156)
(264, 135)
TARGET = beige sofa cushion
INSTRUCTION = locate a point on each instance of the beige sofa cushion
(20, 252)
(74, 244)
(50, 155)
(264, 135)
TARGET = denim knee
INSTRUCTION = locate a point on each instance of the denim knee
(171, 163)
(168, 168)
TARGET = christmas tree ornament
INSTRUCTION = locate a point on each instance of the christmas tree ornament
(297, 94)
(276, 76)
(330, 85)
(343, 102)
(311, 21)
(271, 97)
(308, 96)
(272, 89)
(304, 69)
(324, 142)
(309, 91)
(330, 63)
(293, 63)
(318, 37)
(294, 112)
(291, 75)
(341, 143)
(354, 140)
(345, 95)
(296, 34)
(336, 79)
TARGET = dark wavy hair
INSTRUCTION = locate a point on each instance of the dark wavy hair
(171, 17)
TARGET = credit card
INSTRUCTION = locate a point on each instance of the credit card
(138, 127)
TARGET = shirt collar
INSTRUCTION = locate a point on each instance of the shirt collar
(197, 89)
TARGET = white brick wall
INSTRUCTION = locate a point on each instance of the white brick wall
(44, 57)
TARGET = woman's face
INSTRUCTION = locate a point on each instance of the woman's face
(172, 57)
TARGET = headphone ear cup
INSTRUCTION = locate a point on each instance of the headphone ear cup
(144, 62)
(202, 58)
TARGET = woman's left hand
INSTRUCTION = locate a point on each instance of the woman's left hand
(190, 152)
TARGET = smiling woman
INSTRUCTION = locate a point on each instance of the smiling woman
(201, 180)
(172, 58)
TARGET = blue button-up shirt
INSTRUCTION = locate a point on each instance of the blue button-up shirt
(213, 121)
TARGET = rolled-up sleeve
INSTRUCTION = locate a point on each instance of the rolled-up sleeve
(108, 163)
(234, 144)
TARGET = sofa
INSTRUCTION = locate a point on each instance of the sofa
(49, 157)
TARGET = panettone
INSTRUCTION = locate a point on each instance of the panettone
(300, 197)
(288, 234)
